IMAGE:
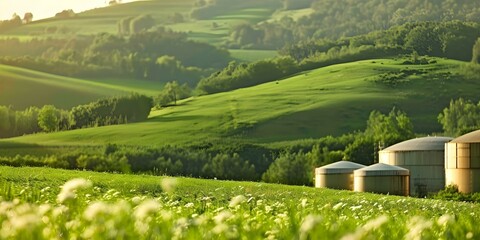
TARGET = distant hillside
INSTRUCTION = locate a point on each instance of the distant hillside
(267, 24)
(331, 100)
(22, 88)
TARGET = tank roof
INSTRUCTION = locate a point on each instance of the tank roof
(472, 137)
(382, 169)
(338, 167)
(420, 144)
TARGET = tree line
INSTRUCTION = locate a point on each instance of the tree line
(109, 111)
(234, 159)
(453, 40)
(157, 55)
(290, 163)
(334, 19)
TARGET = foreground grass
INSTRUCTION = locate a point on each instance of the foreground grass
(64, 92)
(328, 101)
(113, 206)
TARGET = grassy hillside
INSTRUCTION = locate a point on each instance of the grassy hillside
(22, 88)
(99, 206)
(213, 31)
(105, 19)
(331, 100)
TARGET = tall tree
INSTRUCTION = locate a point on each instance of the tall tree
(49, 118)
(173, 92)
(28, 17)
(460, 117)
(476, 52)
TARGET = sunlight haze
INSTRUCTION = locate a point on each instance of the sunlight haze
(46, 8)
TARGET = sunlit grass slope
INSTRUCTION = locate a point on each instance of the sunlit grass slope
(331, 100)
(22, 88)
(105, 19)
(214, 31)
(187, 208)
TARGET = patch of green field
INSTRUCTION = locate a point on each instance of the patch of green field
(293, 14)
(101, 205)
(246, 55)
(328, 101)
(105, 19)
(22, 88)
(213, 31)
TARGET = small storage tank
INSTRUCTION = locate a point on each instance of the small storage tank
(462, 162)
(382, 178)
(338, 175)
(424, 157)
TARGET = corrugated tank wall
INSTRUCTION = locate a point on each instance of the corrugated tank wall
(462, 166)
(335, 181)
(393, 185)
(427, 170)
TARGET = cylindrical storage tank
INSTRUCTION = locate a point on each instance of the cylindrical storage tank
(462, 162)
(382, 178)
(338, 175)
(424, 157)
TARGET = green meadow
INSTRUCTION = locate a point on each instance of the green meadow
(46, 203)
(328, 101)
(281, 127)
(23, 88)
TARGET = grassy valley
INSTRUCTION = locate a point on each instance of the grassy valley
(23, 88)
(329, 101)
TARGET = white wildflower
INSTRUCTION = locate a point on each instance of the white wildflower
(304, 202)
(416, 225)
(445, 220)
(308, 224)
(237, 200)
(220, 228)
(189, 205)
(44, 209)
(338, 206)
(369, 226)
(168, 184)
(70, 188)
(354, 208)
(145, 209)
(59, 211)
(375, 223)
(268, 209)
(222, 216)
(94, 210)
(469, 235)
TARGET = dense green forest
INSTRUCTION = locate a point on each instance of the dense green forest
(453, 40)
(158, 55)
(334, 19)
(104, 112)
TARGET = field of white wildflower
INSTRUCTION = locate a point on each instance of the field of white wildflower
(42, 203)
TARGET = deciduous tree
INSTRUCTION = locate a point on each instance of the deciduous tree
(49, 118)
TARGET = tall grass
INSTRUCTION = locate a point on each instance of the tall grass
(96, 206)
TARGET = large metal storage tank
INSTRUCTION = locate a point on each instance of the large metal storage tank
(462, 162)
(382, 178)
(424, 157)
(338, 175)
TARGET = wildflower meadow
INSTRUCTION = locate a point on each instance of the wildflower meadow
(41, 203)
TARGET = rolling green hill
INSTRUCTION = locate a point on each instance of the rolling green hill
(331, 100)
(213, 31)
(22, 88)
